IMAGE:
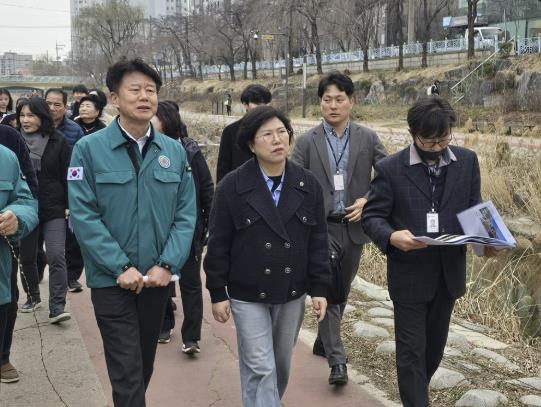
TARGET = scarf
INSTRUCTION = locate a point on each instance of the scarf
(36, 144)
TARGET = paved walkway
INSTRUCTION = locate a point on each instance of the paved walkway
(76, 376)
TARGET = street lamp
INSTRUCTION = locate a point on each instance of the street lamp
(270, 37)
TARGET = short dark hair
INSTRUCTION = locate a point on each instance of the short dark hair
(80, 89)
(92, 99)
(254, 119)
(172, 124)
(4, 91)
(58, 90)
(116, 73)
(338, 79)
(431, 117)
(39, 107)
(257, 94)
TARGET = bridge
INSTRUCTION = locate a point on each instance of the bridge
(20, 85)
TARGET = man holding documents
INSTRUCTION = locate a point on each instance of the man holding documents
(132, 203)
(418, 192)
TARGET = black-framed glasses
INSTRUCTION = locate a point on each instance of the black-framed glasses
(429, 143)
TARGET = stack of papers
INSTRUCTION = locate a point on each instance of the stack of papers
(482, 225)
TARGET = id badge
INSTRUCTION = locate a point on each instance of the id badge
(432, 222)
(338, 182)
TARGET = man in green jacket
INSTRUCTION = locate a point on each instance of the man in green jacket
(132, 203)
(18, 217)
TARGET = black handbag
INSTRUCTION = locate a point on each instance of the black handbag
(337, 287)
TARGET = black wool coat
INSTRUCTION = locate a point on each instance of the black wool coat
(230, 155)
(52, 179)
(259, 252)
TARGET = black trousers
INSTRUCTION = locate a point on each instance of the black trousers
(192, 302)
(421, 333)
(74, 258)
(6, 334)
(29, 268)
(129, 325)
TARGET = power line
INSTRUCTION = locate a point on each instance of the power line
(33, 8)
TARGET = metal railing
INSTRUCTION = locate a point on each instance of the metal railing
(522, 46)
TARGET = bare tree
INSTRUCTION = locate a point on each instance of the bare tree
(431, 9)
(312, 11)
(228, 40)
(111, 27)
(472, 16)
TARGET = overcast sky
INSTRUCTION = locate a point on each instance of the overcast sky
(35, 26)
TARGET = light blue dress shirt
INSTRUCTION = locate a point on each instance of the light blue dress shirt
(339, 145)
(276, 194)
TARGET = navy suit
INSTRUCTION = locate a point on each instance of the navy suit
(422, 283)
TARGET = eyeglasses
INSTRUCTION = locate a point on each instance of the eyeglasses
(442, 142)
(268, 136)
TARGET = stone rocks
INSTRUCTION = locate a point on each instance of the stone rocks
(531, 400)
(495, 358)
(452, 352)
(380, 312)
(446, 379)
(365, 330)
(348, 309)
(481, 398)
(478, 339)
(386, 347)
(370, 290)
(458, 341)
(376, 94)
(388, 322)
(527, 382)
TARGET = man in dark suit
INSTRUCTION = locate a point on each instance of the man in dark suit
(341, 155)
(417, 192)
(231, 156)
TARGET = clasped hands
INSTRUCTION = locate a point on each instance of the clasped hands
(8, 223)
(132, 279)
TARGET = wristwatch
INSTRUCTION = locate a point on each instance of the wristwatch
(164, 265)
(127, 266)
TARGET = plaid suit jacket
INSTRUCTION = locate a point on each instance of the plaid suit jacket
(400, 199)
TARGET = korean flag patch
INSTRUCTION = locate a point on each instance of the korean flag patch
(75, 173)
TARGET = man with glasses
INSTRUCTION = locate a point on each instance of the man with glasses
(418, 192)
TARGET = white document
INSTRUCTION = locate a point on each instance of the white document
(482, 225)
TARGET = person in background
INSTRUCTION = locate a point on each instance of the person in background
(18, 217)
(433, 89)
(11, 139)
(6, 103)
(57, 101)
(90, 110)
(230, 155)
(341, 154)
(77, 93)
(228, 102)
(167, 121)
(418, 191)
(50, 155)
(267, 248)
(132, 201)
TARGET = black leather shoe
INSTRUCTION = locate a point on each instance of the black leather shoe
(318, 348)
(339, 375)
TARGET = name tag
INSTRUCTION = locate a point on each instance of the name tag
(338, 182)
(432, 222)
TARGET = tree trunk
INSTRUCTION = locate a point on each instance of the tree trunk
(424, 63)
(253, 58)
(315, 40)
(365, 58)
(231, 66)
(472, 15)
(245, 70)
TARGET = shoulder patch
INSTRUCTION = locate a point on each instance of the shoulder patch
(75, 173)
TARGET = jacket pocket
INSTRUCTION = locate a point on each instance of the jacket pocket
(5, 189)
(167, 176)
(116, 177)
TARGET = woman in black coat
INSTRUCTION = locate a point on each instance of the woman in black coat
(267, 248)
(50, 155)
(167, 121)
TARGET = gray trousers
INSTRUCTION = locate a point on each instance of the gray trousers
(329, 330)
(266, 335)
(54, 236)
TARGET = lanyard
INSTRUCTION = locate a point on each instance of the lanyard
(432, 178)
(337, 161)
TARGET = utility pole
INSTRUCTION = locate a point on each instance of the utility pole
(411, 21)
